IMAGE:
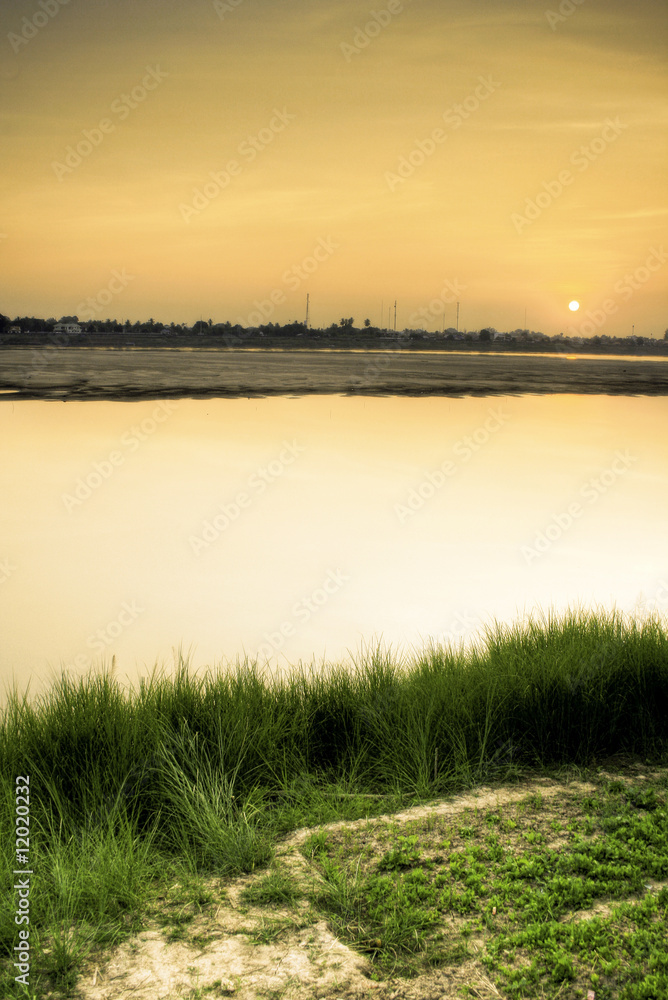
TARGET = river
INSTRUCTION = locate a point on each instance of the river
(306, 527)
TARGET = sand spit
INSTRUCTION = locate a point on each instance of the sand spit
(99, 373)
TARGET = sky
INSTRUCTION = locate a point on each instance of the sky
(177, 160)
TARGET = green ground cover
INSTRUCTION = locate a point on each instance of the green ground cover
(514, 885)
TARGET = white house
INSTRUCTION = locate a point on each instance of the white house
(68, 328)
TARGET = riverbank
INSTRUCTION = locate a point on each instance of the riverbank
(147, 807)
(70, 373)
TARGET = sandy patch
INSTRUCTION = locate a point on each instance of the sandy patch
(103, 373)
(290, 952)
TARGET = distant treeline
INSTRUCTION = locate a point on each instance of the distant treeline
(69, 331)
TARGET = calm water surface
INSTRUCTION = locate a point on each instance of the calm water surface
(300, 528)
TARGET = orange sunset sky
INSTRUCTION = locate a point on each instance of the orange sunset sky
(509, 155)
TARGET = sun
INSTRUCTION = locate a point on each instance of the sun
(574, 305)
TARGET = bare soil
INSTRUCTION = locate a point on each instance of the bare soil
(234, 949)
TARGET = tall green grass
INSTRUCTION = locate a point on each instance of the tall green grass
(202, 771)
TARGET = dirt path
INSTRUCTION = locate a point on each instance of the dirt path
(248, 952)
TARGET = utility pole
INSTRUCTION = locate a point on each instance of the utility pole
(382, 312)
(457, 318)
(307, 306)
(395, 315)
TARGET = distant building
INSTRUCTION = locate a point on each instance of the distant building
(14, 329)
(68, 328)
